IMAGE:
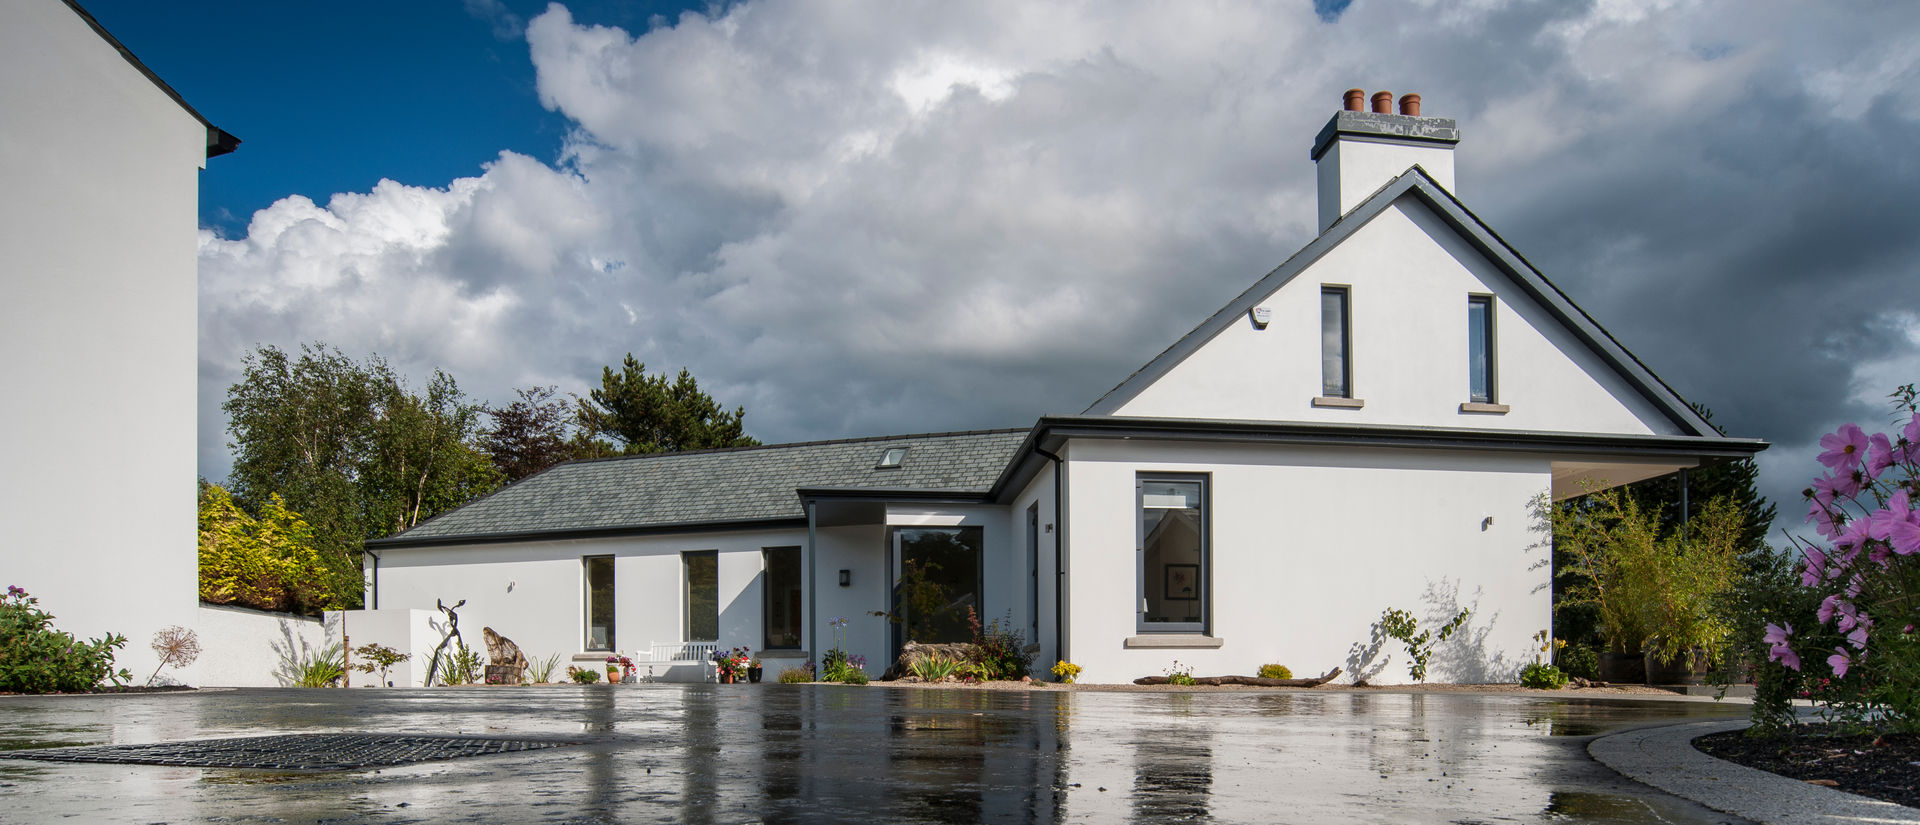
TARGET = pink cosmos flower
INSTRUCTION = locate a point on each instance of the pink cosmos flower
(1822, 519)
(1879, 454)
(1814, 571)
(1858, 638)
(1911, 433)
(1843, 449)
(1778, 650)
(1840, 661)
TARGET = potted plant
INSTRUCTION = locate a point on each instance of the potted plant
(753, 670)
(732, 665)
(613, 670)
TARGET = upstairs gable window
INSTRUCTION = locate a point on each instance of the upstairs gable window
(1336, 343)
(1480, 366)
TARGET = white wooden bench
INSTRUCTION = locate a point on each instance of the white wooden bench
(678, 654)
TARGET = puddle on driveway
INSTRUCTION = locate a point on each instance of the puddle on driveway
(774, 753)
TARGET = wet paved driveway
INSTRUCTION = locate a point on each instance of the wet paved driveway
(754, 753)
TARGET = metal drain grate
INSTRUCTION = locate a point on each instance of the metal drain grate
(294, 752)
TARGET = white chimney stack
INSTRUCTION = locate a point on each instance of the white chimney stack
(1359, 151)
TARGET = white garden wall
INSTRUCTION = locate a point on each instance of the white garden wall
(242, 648)
(1309, 546)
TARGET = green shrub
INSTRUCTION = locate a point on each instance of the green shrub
(35, 658)
(796, 675)
(932, 667)
(1578, 660)
(1275, 672)
(583, 677)
(855, 677)
(1401, 625)
(1542, 677)
(464, 666)
(314, 670)
(998, 648)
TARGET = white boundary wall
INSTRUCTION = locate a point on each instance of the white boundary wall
(240, 647)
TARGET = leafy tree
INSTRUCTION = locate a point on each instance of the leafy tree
(300, 430)
(421, 456)
(1735, 481)
(346, 444)
(652, 414)
(530, 434)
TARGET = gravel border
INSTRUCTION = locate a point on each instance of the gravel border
(1665, 758)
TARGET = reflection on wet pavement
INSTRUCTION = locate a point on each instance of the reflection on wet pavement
(774, 753)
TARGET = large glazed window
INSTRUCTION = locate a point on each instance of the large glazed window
(599, 602)
(1336, 369)
(938, 570)
(783, 598)
(1173, 553)
(703, 595)
(1480, 349)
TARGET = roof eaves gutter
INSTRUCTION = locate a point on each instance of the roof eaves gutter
(405, 542)
(874, 494)
(219, 141)
(1346, 435)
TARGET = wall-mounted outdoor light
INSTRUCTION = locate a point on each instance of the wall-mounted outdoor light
(846, 578)
(1486, 523)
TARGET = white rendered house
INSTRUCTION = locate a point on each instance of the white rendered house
(1366, 427)
(100, 161)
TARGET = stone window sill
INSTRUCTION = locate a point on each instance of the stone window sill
(1489, 409)
(1340, 403)
(1174, 641)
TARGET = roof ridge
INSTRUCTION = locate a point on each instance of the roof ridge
(785, 445)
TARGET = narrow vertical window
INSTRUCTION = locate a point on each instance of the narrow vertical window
(599, 602)
(703, 595)
(1173, 554)
(783, 598)
(1480, 349)
(1336, 370)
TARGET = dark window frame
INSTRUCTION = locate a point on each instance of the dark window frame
(1346, 340)
(1204, 578)
(1488, 342)
(686, 594)
(767, 592)
(587, 603)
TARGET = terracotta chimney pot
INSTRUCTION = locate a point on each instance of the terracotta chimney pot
(1356, 100)
(1410, 105)
(1383, 103)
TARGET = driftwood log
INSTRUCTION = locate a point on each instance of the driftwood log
(1253, 681)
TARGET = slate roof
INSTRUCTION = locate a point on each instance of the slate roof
(742, 484)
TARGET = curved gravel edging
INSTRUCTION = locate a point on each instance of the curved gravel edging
(1665, 758)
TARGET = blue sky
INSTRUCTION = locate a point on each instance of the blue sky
(859, 219)
(333, 101)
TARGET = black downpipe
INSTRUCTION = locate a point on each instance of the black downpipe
(1059, 556)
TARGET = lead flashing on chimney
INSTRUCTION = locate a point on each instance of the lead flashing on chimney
(1375, 125)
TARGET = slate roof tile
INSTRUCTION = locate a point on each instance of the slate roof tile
(739, 484)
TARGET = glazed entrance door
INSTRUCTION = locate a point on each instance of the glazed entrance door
(936, 577)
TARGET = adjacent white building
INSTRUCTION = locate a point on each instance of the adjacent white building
(100, 162)
(1366, 427)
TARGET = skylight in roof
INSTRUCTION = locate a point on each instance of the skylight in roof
(890, 460)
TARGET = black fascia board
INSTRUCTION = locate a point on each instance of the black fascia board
(1055, 429)
(404, 542)
(1523, 274)
(886, 494)
(219, 141)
